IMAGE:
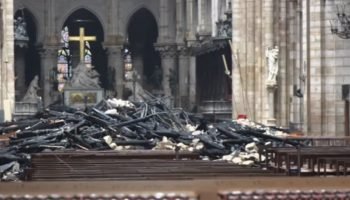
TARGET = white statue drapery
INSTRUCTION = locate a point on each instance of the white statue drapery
(272, 63)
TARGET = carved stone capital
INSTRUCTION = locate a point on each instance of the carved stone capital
(48, 51)
(114, 40)
(113, 49)
(183, 50)
(166, 49)
(21, 44)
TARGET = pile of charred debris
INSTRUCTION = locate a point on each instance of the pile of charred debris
(122, 125)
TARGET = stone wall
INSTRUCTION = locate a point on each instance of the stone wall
(7, 78)
(329, 70)
(301, 30)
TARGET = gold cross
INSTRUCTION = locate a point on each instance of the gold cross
(82, 38)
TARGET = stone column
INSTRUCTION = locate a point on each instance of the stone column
(168, 53)
(268, 21)
(269, 41)
(164, 21)
(190, 20)
(116, 67)
(202, 16)
(192, 82)
(7, 79)
(214, 16)
(180, 25)
(183, 77)
(20, 86)
(48, 56)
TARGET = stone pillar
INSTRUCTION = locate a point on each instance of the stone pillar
(214, 16)
(271, 120)
(20, 86)
(168, 53)
(190, 20)
(164, 21)
(48, 56)
(116, 66)
(183, 77)
(269, 42)
(268, 21)
(192, 82)
(180, 25)
(201, 28)
(7, 79)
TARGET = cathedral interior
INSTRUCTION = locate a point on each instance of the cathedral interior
(174, 99)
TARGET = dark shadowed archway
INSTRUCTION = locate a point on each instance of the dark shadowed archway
(27, 59)
(142, 34)
(214, 88)
(91, 24)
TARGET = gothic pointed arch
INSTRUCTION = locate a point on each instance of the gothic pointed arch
(79, 8)
(27, 59)
(83, 18)
(135, 10)
(146, 59)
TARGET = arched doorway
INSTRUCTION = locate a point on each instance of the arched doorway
(27, 59)
(83, 18)
(142, 34)
(214, 86)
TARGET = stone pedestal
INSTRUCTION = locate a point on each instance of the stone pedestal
(271, 120)
(25, 110)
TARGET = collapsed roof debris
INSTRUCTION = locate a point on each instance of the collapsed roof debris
(122, 125)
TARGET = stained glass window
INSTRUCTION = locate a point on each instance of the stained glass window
(64, 66)
(87, 54)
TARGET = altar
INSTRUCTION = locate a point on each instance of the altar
(83, 89)
(81, 98)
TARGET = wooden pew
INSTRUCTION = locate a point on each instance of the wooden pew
(286, 195)
(287, 155)
(131, 196)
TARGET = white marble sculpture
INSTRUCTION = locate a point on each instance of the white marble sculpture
(272, 62)
(85, 78)
(31, 95)
(20, 27)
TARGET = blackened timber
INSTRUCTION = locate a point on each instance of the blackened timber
(208, 142)
(32, 133)
(103, 116)
(78, 139)
(19, 126)
(231, 134)
(135, 143)
(125, 131)
(75, 127)
(47, 124)
(138, 120)
(33, 140)
(267, 137)
(166, 133)
(101, 122)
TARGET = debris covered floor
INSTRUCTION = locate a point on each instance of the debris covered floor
(114, 126)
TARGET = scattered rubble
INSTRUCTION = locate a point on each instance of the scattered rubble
(122, 125)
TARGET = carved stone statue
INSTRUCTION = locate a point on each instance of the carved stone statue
(272, 62)
(85, 78)
(20, 27)
(31, 95)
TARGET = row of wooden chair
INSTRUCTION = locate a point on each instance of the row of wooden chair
(311, 156)
(231, 195)
(286, 195)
